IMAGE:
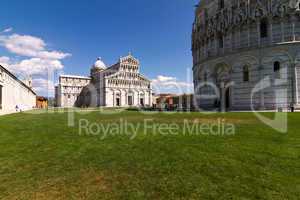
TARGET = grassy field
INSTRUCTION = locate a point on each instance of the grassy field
(42, 158)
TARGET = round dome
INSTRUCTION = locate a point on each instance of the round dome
(99, 64)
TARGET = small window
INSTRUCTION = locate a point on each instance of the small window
(276, 66)
(205, 77)
(221, 42)
(142, 102)
(277, 69)
(264, 28)
(246, 74)
(130, 100)
(221, 4)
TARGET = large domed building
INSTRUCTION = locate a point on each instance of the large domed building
(98, 66)
(120, 85)
(246, 54)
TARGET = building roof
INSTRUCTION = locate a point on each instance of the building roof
(165, 95)
(129, 57)
(99, 64)
(18, 80)
(122, 59)
(74, 76)
(40, 98)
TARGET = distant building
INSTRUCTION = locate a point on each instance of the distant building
(120, 85)
(41, 102)
(69, 89)
(165, 101)
(184, 102)
(154, 100)
(15, 95)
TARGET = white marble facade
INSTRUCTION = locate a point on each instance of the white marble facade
(15, 95)
(120, 85)
(69, 88)
(248, 52)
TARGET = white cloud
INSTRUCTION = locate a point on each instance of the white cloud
(40, 62)
(30, 46)
(53, 55)
(32, 66)
(167, 84)
(43, 86)
(7, 30)
(165, 78)
(23, 45)
(4, 61)
(38, 66)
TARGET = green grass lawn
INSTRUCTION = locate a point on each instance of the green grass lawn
(42, 158)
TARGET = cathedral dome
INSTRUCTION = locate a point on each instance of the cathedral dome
(99, 64)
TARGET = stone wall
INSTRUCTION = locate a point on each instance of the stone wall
(69, 89)
(14, 93)
(252, 33)
(279, 91)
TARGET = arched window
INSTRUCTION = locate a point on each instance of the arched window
(277, 69)
(264, 28)
(220, 40)
(118, 99)
(246, 73)
(205, 77)
(142, 99)
(130, 100)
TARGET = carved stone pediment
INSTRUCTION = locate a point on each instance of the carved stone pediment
(129, 60)
(122, 76)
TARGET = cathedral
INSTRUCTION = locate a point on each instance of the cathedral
(246, 54)
(120, 85)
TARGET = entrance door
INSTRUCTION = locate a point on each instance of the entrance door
(227, 98)
(130, 100)
(142, 102)
(118, 102)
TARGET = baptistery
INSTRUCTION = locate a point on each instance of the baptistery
(246, 54)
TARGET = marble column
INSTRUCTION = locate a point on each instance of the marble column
(282, 31)
(295, 83)
(293, 20)
(258, 32)
(248, 35)
(261, 77)
(223, 97)
(232, 42)
(271, 30)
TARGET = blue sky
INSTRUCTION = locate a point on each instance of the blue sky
(157, 32)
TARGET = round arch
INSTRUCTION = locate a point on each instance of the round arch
(222, 73)
(223, 79)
